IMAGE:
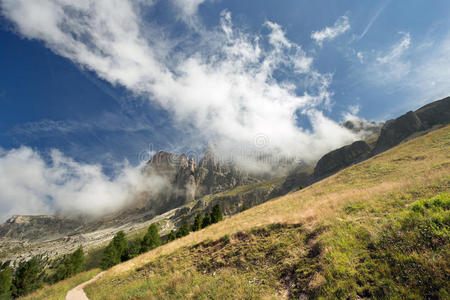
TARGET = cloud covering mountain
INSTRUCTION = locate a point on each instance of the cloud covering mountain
(241, 90)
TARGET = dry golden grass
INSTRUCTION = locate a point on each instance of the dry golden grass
(59, 290)
(398, 169)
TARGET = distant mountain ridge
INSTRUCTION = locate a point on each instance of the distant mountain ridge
(191, 188)
(394, 132)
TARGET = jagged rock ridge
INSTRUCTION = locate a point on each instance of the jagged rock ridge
(188, 181)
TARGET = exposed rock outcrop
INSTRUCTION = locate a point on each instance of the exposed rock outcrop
(179, 171)
(295, 181)
(341, 158)
(435, 113)
(187, 181)
(392, 133)
(396, 131)
(38, 228)
(214, 176)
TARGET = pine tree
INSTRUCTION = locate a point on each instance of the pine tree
(206, 220)
(151, 239)
(115, 252)
(5, 283)
(76, 262)
(120, 244)
(216, 214)
(69, 265)
(110, 257)
(28, 277)
(133, 249)
(183, 230)
(172, 236)
(198, 222)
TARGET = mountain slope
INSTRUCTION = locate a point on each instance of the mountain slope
(359, 233)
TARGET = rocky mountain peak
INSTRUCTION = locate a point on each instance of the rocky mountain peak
(189, 180)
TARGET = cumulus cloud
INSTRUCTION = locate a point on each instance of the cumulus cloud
(329, 33)
(227, 89)
(229, 85)
(31, 184)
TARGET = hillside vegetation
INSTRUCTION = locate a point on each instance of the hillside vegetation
(59, 290)
(379, 229)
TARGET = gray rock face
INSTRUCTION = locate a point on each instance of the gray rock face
(179, 171)
(392, 133)
(295, 181)
(341, 158)
(395, 131)
(213, 176)
(435, 113)
(187, 181)
(38, 228)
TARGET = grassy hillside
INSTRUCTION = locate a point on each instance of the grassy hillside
(59, 290)
(376, 229)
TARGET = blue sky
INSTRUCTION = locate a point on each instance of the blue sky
(105, 82)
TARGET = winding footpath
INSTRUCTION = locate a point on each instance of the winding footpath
(77, 293)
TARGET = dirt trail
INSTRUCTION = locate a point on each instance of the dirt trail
(77, 292)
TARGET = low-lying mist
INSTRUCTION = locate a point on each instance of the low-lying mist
(30, 184)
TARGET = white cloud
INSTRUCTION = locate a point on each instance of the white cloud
(397, 50)
(430, 77)
(226, 87)
(188, 7)
(30, 185)
(392, 69)
(329, 33)
(390, 66)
